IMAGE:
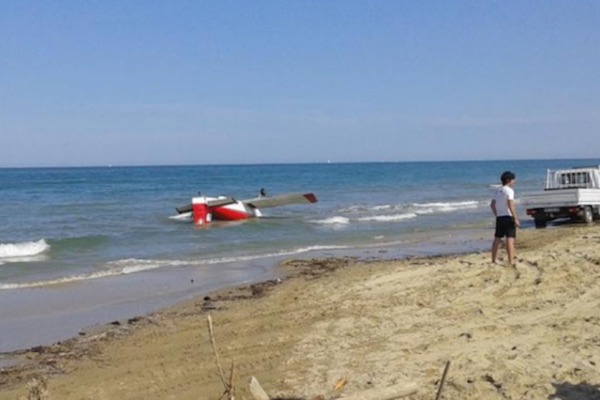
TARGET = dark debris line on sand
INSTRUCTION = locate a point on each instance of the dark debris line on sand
(55, 359)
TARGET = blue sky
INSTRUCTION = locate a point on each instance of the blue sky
(210, 82)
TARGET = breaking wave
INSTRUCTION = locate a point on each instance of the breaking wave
(135, 265)
(22, 252)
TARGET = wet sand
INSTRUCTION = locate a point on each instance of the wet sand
(533, 333)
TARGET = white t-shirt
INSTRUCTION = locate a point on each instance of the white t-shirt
(502, 195)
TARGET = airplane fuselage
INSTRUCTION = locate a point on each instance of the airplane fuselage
(204, 210)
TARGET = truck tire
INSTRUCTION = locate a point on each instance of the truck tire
(588, 215)
(540, 223)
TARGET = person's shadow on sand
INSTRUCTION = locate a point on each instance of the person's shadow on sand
(579, 391)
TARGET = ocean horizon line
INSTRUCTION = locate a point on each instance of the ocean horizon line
(258, 164)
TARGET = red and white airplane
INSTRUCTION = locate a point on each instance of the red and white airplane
(204, 210)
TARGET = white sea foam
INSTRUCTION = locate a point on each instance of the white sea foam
(398, 212)
(116, 268)
(388, 218)
(316, 248)
(22, 251)
(352, 209)
(63, 280)
(121, 267)
(332, 221)
(382, 207)
(182, 217)
(434, 208)
(133, 265)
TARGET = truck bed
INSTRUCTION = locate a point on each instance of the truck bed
(561, 198)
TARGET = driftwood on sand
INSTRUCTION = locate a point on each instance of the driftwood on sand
(257, 391)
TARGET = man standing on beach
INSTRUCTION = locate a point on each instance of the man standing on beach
(503, 207)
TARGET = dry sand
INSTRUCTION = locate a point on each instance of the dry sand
(533, 333)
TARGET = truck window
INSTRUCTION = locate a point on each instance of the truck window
(575, 179)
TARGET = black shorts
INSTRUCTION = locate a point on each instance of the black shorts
(505, 226)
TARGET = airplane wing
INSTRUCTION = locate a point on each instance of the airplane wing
(220, 202)
(210, 203)
(281, 200)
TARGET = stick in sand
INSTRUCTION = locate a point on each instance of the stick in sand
(439, 393)
(228, 387)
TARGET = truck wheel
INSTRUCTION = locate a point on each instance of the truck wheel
(588, 215)
(540, 223)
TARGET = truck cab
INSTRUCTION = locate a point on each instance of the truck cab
(582, 178)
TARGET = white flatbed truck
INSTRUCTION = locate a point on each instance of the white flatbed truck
(570, 193)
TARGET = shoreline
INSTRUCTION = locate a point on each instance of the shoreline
(43, 315)
(376, 323)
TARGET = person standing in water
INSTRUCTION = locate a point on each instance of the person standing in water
(503, 207)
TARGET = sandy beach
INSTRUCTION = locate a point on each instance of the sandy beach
(533, 333)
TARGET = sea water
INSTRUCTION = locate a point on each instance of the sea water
(103, 243)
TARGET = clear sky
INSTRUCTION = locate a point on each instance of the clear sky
(224, 81)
